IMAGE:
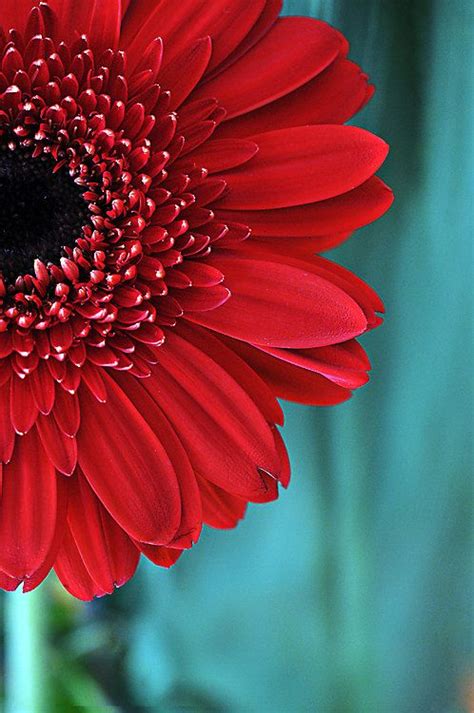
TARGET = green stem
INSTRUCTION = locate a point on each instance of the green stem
(25, 652)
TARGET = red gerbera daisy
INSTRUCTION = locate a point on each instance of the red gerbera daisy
(167, 173)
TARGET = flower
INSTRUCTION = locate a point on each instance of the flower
(167, 176)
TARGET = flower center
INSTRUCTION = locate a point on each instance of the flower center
(40, 212)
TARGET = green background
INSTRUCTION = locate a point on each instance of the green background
(353, 593)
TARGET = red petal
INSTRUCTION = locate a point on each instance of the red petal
(23, 410)
(179, 24)
(74, 17)
(332, 97)
(294, 51)
(62, 503)
(162, 556)
(336, 363)
(366, 297)
(201, 299)
(360, 291)
(108, 554)
(182, 74)
(223, 432)
(104, 30)
(133, 477)
(191, 513)
(223, 154)
(201, 275)
(255, 387)
(8, 584)
(5, 344)
(99, 20)
(267, 18)
(123, 553)
(61, 336)
(281, 306)
(27, 509)
(284, 458)
(66, 412)
(93, 380)
(125, 6)
(268, 247)
(42, 388)
(60, 448)
(341, 214)
(304, 164)
(291, 382)
(7, 433)
(14, 13)
(220, 509)
(72, 573)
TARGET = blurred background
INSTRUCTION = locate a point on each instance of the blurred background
(354, 592)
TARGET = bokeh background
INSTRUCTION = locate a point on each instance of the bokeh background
(354, 592)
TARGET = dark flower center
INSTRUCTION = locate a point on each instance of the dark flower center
(40, 212)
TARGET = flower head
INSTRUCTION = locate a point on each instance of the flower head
(167, 176)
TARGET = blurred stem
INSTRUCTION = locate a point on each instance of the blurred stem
(25, 652)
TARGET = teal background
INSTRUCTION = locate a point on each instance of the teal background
(353, 593)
